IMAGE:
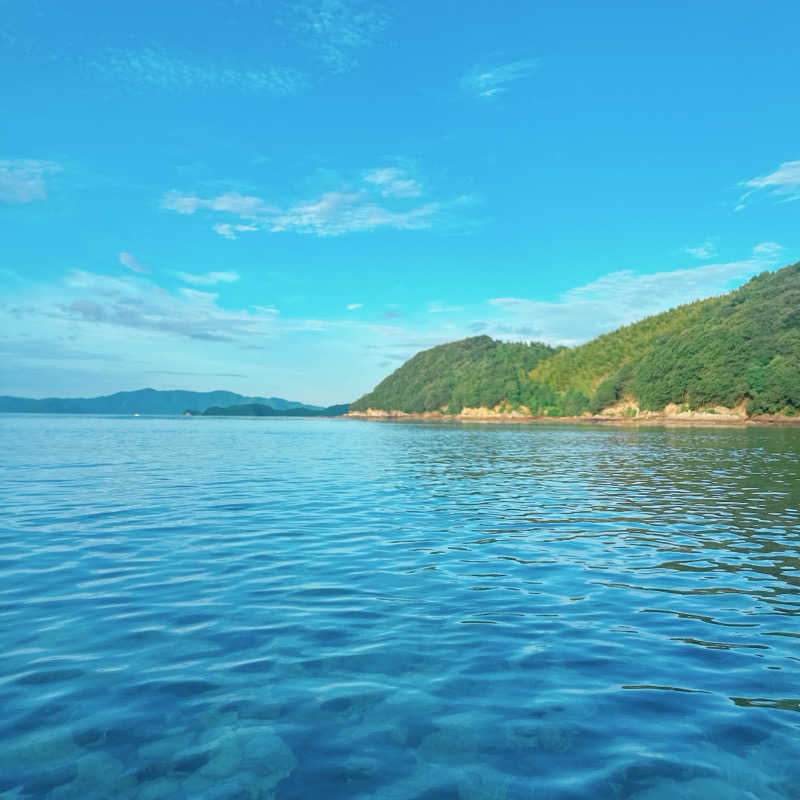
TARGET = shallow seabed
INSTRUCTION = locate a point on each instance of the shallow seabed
(229, 608)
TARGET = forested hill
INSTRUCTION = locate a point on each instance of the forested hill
(740, 347)
(472, 372)
(142, 401)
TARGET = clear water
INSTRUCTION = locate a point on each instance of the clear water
(229, 608)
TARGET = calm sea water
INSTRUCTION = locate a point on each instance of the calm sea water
(231, 608)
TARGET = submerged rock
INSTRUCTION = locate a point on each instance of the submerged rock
(255, 750)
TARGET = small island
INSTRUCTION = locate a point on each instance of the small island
(261, 410)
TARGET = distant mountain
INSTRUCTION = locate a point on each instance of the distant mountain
(143, 401)
(741, 349)
(260, 410)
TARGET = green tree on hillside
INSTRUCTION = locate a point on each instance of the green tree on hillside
(741, 347)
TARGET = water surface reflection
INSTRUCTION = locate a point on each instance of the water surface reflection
(293, 608)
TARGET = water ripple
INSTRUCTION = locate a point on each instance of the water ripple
(310, 608)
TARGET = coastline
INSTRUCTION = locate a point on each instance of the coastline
(732, 418)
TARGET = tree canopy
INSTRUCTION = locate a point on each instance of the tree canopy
(473, 372)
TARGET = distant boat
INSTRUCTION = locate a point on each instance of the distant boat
(135, 414)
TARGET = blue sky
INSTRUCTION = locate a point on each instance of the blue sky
(292, 198)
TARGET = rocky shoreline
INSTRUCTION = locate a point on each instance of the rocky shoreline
(628, 415)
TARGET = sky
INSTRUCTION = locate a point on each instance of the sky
(293, 198)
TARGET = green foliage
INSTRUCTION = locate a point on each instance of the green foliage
(573, 403)
(742, 346)
(781, 387)
(539, 398)
(472, 372)
(610, 390)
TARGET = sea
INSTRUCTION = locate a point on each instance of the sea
(214, 608)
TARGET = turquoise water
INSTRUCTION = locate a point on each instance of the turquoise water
(231, 608)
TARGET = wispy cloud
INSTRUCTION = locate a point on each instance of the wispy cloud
(768, 250)
(229, 230)
(393, 183)
(354, 306)
(334, 29)
(198, 297)
(703, 251)
(157, 67)
(139, 304)
(131, 262)
(376, 202)
(336, 213)
(619, 298)
(783, 184)
(491, 81)
(23, 180)
(209, 278)
(134, 302)
(232, 202)
(101, 333)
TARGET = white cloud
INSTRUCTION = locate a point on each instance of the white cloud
(783, 184)
(333, 214)
(168, 70)
(704, 251)
(768, 249)
(354, 306)
(131, 262)
(137, 303)
(785, 180)
(232, 202)
(334, 29)
(209, 278)
(489, 82)
(336, 213)
(197, 297)
(617, 299)
(393, 183)
(229, 230)
(23, 180)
